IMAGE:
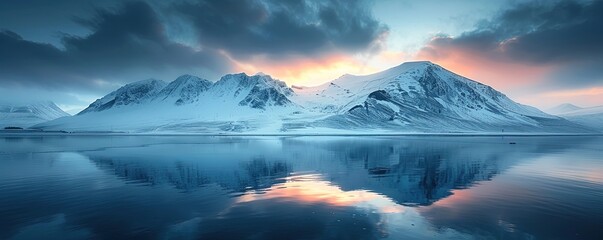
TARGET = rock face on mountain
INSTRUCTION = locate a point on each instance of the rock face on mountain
(426, 97)
(258, 91)
(26, 115)
(184, 90)
(130, 94)
(412, 97)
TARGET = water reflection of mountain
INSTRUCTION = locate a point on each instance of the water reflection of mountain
(418, 172)
(250, 175)
(182, 184)
(411, 171)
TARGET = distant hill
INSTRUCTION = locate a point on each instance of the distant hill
(563, 108)
(27, 115)
(588, 116)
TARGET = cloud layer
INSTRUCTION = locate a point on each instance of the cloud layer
(132, 41)
(87, 48)
(281, 28)
(122, 44)
(563, 37)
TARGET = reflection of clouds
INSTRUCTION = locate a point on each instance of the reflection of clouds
(458, 195)
(343, 182)
(306, 187)
(386, 218)
(586, 169)
(550, 196)
(411, 172)
(311, 188)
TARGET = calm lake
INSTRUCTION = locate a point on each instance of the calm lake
(193, 187)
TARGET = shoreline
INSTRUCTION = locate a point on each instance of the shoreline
(468, 134)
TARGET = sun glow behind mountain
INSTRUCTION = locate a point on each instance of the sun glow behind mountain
(539, 53)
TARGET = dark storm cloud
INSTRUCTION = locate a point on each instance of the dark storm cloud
(567, 31)
(564, 34)
(133, 37)
(122, 43)
(278, 29)
(116, 42)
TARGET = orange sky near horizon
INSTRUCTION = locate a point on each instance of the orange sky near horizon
(519, 81)
(312, 72)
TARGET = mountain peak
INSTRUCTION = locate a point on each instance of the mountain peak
(131, 93)
(568, 105)
(27, 115)
(563, 108)
(239, 75)
(415, 64)
(419, 63)
(413, 96)
(144, 82)
(408, 66)
(185, 89)
(186, 77)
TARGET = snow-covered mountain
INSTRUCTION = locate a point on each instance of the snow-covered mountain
(424, 97)
(562, 108)
(185, 89)
(130, 94)
(235, 103)
(412, 97)
(26, 115)
(591, 116)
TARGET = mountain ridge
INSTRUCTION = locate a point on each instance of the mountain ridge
(562, 108)
(27, 115)
(588, 116)
(419, 90)
(411, 97)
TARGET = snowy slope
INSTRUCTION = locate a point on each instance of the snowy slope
(28, 115)
(235, 103)
(412, 97)
(584, 111)
(423, 97)
(130, 94)
(563, 108)
(185, 89)
(590, 117)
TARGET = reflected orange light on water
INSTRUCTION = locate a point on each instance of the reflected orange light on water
(311, 188)
(458, 196)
